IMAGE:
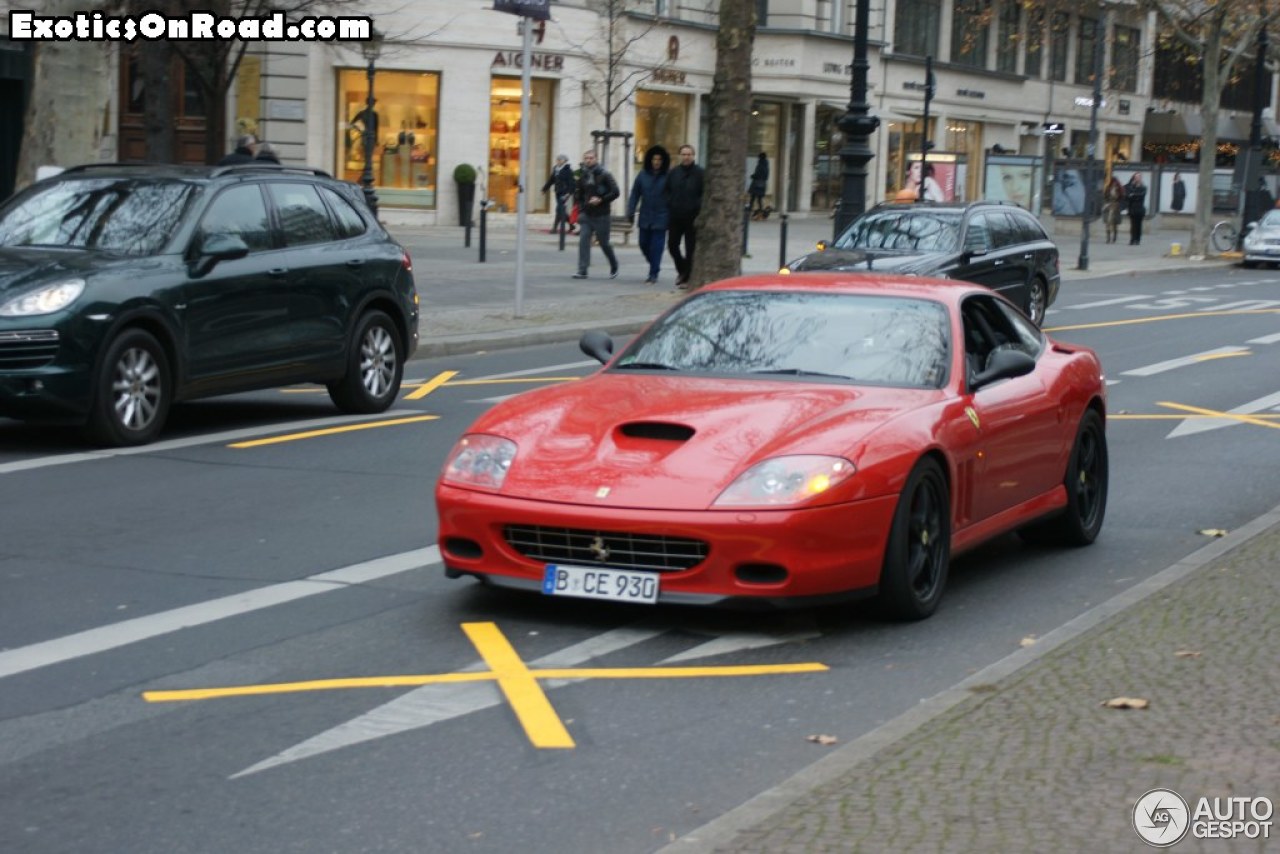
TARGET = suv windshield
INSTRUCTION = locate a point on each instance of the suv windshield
(904, 229)
(128, 216)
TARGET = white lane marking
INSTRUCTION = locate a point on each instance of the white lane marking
(432, 704)
(734, 641)
(121, 634)
(203, 439)
(1265, 339)
(1106, 302)
(1243, 305)
(1171, 364)
(1203, 423)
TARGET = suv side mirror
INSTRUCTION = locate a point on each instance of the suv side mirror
(1004, 364)
(215, 248)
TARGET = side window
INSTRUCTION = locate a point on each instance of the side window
(303, 217)
(1002, 229)
(1028, 338)
(1029, 229)
(239, 211)
(975, 236)
(349, 222)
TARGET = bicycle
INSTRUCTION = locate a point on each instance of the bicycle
(1224, 236)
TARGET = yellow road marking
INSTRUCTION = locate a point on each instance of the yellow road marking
(539, 719)
(517, 681)
(330, 431)
(431, 385)
(1235, 416)
(1163, 417)
(515, 380)
(1211, 356)
(1157, 318)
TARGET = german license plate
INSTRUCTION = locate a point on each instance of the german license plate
(615, 585)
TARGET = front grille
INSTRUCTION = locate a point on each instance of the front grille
(578, 547)
(26, 349)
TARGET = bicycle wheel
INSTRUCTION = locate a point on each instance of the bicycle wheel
(1223, 236)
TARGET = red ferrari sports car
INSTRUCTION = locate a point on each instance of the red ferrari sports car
(782, 440)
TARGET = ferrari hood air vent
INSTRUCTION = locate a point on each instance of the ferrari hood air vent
(662, 430)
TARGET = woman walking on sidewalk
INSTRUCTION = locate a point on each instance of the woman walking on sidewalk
(649, 194)
(1112, 202)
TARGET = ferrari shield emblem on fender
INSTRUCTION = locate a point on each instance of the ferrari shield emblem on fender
(602, 492)
(973, 416)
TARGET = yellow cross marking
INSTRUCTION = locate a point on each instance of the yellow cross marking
(1213, 413)
(330, 431)
(518, 683)
(431, 385)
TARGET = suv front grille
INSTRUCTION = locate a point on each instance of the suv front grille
(26, 349)
(578, 547)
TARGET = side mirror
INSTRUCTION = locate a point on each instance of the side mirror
(215, 248)
(1004, 364)
(597, 344)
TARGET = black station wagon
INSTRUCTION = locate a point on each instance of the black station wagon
(124, 288)
(996, 244)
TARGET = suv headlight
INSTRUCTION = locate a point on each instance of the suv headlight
(45, 300)
(785, 480)
(479, 460)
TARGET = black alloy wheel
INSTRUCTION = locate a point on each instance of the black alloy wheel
(1086, 482)
(918, 553)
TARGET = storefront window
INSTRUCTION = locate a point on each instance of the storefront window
(662, 118)
(404, 123)
(765, 135)
(965, 138)
(827, 175)
(505, 124)
(904, 142)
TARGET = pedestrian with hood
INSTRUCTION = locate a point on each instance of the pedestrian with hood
(562, 183)
(685, 184)
(596, 190)
(649, 194)
(246, 147)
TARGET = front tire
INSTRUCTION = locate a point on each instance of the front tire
(375, 366)
(1086, 483)
(132, 392)
(918, 554)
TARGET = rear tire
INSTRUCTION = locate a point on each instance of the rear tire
(1037, 301)
(132, 393)
(918, 553)
(1086, 483)
(375, 366)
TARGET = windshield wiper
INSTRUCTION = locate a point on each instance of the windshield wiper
(647, 366)
(801, 372)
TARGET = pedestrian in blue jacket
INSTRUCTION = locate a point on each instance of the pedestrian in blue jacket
(649, 194)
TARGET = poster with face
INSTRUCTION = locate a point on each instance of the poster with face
(1013, 180)
(938, 179)
(1069, 194)
(1177, 192)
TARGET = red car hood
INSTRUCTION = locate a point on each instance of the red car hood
(633, 440)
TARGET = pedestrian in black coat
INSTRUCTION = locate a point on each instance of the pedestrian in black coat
(685, 183)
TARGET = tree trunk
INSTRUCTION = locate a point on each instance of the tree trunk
(69, 111)
(719, 226)
(1210, 102)
(155, 60)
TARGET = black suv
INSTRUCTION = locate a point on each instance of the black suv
(996, 244)
(124, 288)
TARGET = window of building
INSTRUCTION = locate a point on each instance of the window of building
(504, 141)
(1035, 43)
(762, 13)
(830, 16)
(964, 138)
(403, 126)
(1086, 50)
(916, 27)
(662, 118)
(904, 142)
(1059, 40)
(1124, 59)
(970, 32)
(1007, 37)
(765, 135)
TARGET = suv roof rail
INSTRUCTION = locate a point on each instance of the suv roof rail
(270, 167)
(85, 167)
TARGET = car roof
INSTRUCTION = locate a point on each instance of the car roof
(946, 206)
(180, 171)
(949, 291)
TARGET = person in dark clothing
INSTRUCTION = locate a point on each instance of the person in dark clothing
(1135, 195)
(596, 190)
(684, 201)
(562, 183)
(649, 194)
(266, 154)
(759, 183)
(246, 147)
(1179, 194)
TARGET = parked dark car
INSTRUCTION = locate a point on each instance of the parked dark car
(996, 244)
(125, 288)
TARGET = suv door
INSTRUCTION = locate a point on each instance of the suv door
(992, 253)
(236, 316)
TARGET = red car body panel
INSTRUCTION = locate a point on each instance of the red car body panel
(650, 452)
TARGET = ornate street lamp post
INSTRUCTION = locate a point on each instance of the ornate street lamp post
(371, 48)
(857, 126)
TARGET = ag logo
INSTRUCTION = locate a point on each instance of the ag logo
(1161, 817)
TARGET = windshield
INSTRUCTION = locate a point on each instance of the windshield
(1271, 219)
(844, 337)
(128, 216)
(904, 229)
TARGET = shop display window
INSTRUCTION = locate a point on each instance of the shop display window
(661, 119)
(504, 142)
(405, 122)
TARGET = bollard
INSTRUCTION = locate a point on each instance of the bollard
(484, 216)
(746, 227)
(466, 232)
(563, 231)
(1175, 248)
(782, 242)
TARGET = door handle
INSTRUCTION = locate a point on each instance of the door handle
(997, 263)
(277, 272)
(356, 262)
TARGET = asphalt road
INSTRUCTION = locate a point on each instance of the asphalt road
(197, 564)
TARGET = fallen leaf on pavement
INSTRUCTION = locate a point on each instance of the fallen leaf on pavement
(822, 739)
(1126, 703)
(1213, 532)
(1029, 640)
(1187, 653)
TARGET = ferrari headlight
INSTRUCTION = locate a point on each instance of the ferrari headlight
(785, 480)
(480, 460)
(44, 300)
